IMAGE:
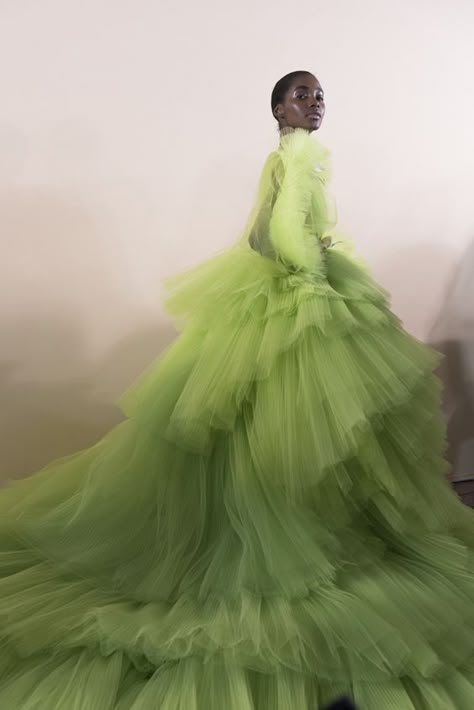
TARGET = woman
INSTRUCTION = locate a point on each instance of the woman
(270, 527)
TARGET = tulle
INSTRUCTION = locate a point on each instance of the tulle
(269, 527)
(292, 210)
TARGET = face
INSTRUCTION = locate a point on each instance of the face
(303, 105)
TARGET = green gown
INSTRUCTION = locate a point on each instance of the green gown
(270, 526)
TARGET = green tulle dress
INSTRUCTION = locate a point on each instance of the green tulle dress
(270, 526)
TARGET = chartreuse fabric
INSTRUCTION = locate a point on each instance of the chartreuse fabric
(270, 525)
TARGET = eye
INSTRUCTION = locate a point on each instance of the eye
(301, 96)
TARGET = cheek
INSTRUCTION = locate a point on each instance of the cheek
(295, 107)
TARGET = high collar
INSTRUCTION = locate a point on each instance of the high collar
(291, 130)
(298, 142)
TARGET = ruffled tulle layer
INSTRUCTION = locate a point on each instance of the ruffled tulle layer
(268, 528)
(85, 680)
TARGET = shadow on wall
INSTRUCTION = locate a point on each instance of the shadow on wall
(453, 334)
(414, 276)
(60, 271)
(55, 272)
(43, 420)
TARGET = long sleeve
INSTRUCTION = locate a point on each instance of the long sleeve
(291, 216)
(257, 232)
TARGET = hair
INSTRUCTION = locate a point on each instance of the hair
(282, 86)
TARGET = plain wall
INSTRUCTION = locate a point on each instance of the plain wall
(132, 135)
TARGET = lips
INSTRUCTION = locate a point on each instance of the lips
(314, 114)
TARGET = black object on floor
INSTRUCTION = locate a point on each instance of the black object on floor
(341, 704)
(465, 490)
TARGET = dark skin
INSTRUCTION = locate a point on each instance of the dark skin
(303, 105)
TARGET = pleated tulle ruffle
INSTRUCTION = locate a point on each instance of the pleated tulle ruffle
(268, 528)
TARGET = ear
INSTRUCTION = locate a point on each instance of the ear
(278, 111)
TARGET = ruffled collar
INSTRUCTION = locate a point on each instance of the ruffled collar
(296, 142)
(297, 137)
(288, 131)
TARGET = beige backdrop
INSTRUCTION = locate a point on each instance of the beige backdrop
(132, 134)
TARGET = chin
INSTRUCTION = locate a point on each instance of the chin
(313, 126)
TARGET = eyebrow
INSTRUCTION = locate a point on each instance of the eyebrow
(303, 86)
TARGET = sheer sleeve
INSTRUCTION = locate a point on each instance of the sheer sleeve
(289, 218)
(290, 224)
(259, 221)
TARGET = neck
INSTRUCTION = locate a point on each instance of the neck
(286, 129)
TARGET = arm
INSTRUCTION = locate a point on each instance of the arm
(286, 216)
(258, 223)
(295, 178)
